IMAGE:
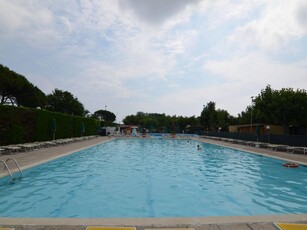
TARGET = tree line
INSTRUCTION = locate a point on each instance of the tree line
(286, 107)
(16, 90)
(210, 118)
(161, 123)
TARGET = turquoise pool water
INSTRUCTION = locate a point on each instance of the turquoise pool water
(156, 178)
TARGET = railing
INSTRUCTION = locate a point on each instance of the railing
(6, 167)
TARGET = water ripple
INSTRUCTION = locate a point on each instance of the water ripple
(156, 178)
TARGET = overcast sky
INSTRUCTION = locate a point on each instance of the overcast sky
(164, 56)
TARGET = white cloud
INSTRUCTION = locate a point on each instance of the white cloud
(15, 16)
(179, 42)
(28, 22)
(279, 23)
(12, 16)
(141, 58)
(245, 76)
(189, 102)
(224, 11)
(123, 52)
(301, 14)
(257, 68)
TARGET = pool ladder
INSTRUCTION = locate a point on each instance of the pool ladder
(6, 167)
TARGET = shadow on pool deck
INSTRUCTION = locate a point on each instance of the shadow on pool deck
(36, 157)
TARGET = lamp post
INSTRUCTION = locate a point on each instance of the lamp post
(251, 126)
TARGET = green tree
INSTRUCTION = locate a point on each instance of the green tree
(285, 107)
(213, 119)
(64, 102)
(130, 120)
(106, 117)
(208, 116)
(15, 89)
(86, 113)
(156, 122)
(184, 122)
(245, 116)
(222, 119)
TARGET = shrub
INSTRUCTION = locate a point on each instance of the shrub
(20, 124)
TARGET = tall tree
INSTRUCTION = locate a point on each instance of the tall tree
(64, 102)
(245, 116)
(207, 116)
(105, 116)
(15, 89)
(285, 107)
(214, 119)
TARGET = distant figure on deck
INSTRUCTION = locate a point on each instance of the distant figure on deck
(198, 147)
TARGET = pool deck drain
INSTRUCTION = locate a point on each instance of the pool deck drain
(36, 157)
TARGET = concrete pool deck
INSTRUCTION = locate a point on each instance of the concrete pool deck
(36, 157)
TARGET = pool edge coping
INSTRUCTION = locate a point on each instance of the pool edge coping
(155, 222)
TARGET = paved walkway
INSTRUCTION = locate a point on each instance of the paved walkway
(32, 158)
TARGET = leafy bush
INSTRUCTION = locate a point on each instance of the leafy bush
(20, 124)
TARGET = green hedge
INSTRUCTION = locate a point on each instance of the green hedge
(20, 125)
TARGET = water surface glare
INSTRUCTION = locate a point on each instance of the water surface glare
(156, 178)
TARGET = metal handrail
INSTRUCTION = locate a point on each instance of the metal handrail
(14, 160)
(7, 168)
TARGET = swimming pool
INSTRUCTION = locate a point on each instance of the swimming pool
(156, 178)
